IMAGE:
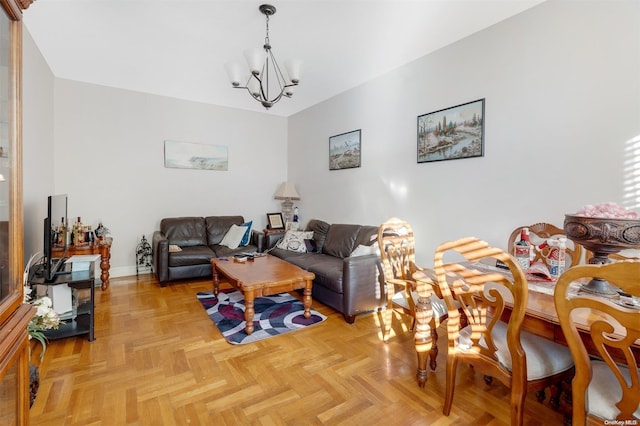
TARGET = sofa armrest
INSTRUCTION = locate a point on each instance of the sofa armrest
(257, 239)
(160, 245)
(363, 284)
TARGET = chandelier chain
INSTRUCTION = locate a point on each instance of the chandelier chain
(266, 38)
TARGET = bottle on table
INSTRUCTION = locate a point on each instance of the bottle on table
(78, 233)
(62, 233)
(522, 250)
(556, 257)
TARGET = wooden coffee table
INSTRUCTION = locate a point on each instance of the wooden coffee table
(262, 276)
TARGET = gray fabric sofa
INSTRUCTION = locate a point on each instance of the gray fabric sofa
(351, 284)
(199, 240)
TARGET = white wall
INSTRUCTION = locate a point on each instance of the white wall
(104, 148)
(109, 158)
(562, 92)
(37, 143)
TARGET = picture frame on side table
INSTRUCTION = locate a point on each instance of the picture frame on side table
(292, 226)
(344, 150)
(275, 221)
(452, 133)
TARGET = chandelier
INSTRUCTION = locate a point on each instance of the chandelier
(266, 82)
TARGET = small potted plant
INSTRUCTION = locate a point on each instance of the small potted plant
(44, 319)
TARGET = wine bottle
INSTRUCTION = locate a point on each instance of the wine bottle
(522, 250)
(79, 233)
(62, 233)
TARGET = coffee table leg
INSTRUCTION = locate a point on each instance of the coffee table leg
(216, 281)
(248, 312)
(307, 299)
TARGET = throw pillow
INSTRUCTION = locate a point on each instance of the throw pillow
(363, 250)
(310, 244)
(233, 237)
(247, 234)
(294, 241)
(173, 248)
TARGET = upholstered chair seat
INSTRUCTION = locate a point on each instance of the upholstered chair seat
(604, 391)
(544, 357)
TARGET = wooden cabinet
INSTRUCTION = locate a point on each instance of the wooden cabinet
(14, 314)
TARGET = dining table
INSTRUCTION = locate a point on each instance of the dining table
(540, 318)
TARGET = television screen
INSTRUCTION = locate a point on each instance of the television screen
(55, 235)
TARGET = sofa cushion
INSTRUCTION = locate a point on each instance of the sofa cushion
(328, 269)
(217, 227)
(320, 229)
(184, 231)
(367, 236)
(191, 255)
(222, 251)
(329, 272)
(340, 240)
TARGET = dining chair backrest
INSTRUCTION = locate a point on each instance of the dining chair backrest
(494, 302)
(397, 249)
(540, 232)
(483, 295)
(404, 293)
(603, 390)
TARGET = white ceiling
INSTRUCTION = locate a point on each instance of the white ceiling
(178, 48)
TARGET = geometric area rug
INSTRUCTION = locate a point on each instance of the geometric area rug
(274, 315)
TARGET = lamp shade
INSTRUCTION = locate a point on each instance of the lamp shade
(234, 71)
(293, 67)
(255, 59)
(287, 191)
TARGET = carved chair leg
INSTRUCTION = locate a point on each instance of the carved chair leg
(554, 397)
(433, 353)
(540, 396)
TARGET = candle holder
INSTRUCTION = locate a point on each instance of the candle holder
(602, 236)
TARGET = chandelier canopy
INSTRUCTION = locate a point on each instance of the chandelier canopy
(266, 82)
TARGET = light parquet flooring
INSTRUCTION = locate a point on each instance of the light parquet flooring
(159, 360)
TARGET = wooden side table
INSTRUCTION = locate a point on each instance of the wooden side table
(101, 247)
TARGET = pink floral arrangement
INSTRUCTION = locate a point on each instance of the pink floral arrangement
(607, 210)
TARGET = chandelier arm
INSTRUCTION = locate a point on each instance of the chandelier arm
(264, 78)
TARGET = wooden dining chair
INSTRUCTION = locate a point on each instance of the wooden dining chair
(602, 389)
(502, 350)
(540, 232)
(397, 251)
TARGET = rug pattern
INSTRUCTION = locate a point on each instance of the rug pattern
(274, 315)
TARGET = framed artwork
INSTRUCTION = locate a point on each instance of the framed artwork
(186, 155)
(344, 150)
(274, 221)
(451, 133)
(292, 226)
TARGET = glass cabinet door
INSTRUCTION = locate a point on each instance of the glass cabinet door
(11, 237)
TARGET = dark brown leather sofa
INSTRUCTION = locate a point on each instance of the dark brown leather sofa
(199, 240)
(349, 284)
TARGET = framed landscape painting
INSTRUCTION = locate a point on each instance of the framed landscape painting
(186, 155)
(344, 150)
(451, 133)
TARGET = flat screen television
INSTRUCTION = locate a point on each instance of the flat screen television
(55, 220)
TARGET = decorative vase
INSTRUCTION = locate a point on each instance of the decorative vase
(602, 236)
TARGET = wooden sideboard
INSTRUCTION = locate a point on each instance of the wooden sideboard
(101, 247)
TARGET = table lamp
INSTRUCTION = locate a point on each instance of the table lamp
(287, 192)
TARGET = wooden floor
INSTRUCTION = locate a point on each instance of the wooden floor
(159, 360)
